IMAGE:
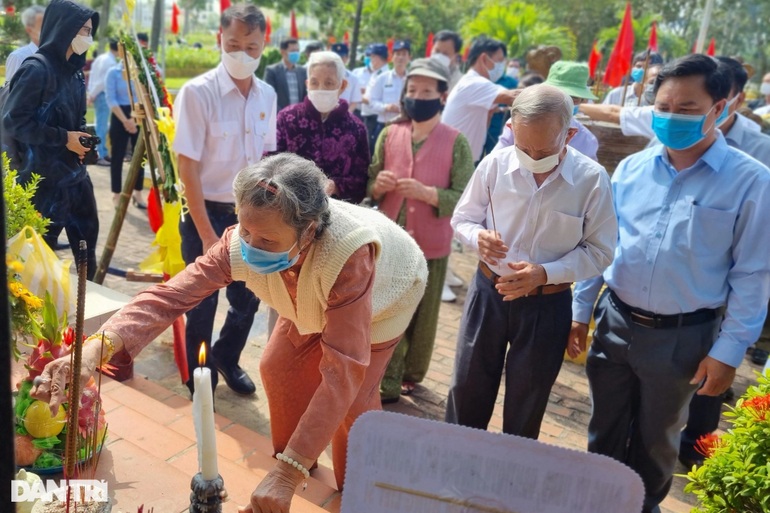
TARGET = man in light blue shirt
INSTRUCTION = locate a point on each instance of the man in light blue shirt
(688, 288)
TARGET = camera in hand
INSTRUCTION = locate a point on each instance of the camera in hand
(90, 141)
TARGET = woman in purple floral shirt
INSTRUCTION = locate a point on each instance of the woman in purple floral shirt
(321, 129)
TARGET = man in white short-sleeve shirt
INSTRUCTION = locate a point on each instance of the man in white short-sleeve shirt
(467, 108)
(352, 93)
(225, 122)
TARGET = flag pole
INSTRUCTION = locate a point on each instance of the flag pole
(625, 86)
(644, 77)
(704, 26)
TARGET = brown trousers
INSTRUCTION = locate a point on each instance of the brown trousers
(291, 376)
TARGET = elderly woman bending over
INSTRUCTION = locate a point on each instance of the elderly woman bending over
(321, 129)
(345, 281)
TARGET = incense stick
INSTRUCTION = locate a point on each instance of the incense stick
(492, 209)
(451, 500)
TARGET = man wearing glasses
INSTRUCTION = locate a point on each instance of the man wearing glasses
(44, 123)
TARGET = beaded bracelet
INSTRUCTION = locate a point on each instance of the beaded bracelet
(103, 338)
(294, 463)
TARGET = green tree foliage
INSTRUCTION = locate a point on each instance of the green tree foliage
(520, 26)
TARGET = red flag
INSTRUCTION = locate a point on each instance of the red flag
(174, 18)
(466, 52)
(593, 60)
(429, 45)
(224, 5)
(712, 51)
(294, 32)
(346, 38)
(268, 30)
(653, 44)
(620, 58)
(391, 42)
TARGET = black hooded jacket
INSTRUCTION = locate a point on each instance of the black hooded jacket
(47, 100)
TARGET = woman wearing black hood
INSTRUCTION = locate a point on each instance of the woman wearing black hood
(45, 116)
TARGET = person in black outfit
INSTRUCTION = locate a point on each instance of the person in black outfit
(45, 116)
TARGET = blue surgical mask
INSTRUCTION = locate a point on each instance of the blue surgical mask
(575, 110)
(637, 74)
(266, 262)
(679, 131)
(367, 61)
(294, 57)
(723, 116)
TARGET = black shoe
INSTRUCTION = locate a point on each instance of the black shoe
(759, 356)
(237, 379)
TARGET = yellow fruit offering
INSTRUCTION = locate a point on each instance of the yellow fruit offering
(39, 422)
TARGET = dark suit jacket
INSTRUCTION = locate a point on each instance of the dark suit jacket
(275, 75)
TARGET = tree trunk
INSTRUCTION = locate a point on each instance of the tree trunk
(356, 30)
(104, 21)
(186, 29)
(157, 25)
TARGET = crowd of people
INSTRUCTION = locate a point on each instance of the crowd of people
(334, 196)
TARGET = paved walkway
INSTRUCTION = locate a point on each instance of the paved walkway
(566, 418)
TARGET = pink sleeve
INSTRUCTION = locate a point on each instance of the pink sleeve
(346, 346)
(153, 310)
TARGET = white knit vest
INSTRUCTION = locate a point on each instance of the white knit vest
(400, 272)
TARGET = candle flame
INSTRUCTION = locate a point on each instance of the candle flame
(202, 355)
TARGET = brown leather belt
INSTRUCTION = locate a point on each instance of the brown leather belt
(541, 290)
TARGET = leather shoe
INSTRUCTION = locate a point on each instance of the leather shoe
(237, 379)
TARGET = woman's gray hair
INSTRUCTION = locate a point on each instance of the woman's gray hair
(541, 100)
(326, 59)
(289, 184)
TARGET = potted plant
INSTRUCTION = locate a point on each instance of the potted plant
(735, 476)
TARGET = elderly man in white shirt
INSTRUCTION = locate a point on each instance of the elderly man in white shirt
(540, 216)
(32, 18)
(225, 122)
(384, 90)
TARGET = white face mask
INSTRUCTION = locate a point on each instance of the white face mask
(765, 88)
(537, 167)
(513, 72)
(324, 101)
(81, 44)
(496, 73)
(443, 59)
(240, 65)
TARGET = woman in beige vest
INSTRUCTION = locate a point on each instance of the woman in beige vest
(419, 170)
(345, 281)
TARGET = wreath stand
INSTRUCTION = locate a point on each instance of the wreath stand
(148, 142)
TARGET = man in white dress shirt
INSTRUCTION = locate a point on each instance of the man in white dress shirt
(476, 94)
(540, 216)
(225, 122)
(352, 92)
(32, 18)
(384, 91)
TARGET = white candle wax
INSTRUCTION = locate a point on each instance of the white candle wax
(203, 416)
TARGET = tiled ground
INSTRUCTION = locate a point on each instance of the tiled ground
(566, 417)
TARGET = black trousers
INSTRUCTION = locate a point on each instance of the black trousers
(528, 337)
(200, 320)
(371, 129)
(119, 139)
(71, 206)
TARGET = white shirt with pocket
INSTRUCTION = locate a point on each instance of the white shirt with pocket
(567, 225)
(385, 90)
(467, 109)
(225, 132)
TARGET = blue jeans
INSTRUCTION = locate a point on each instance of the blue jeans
(102, 123)
(200, 320)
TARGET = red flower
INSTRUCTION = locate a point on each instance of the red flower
(760, 406)
(707, 444)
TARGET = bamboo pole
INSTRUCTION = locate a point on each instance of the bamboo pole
(625, 86)
(137, 162)
(644, 78)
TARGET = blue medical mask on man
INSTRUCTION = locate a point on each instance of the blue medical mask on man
(679, 131)
(293, 57)
(725, 113)
(637, 74)
(367, 61)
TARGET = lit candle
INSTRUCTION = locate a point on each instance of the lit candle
(203, 417)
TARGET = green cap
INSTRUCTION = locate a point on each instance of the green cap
(570, 77)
